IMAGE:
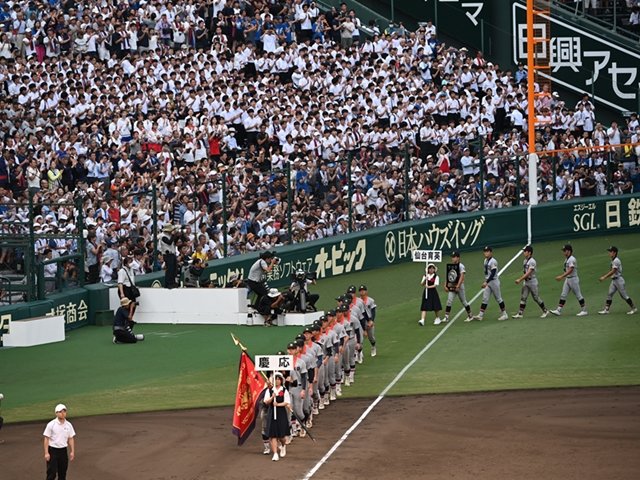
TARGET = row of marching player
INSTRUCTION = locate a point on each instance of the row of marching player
(325, 357)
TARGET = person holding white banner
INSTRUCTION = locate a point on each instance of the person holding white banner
(430, 298)
(278, 400)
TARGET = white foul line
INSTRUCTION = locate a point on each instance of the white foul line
(397, 378)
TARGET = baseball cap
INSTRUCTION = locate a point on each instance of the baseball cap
(60, 407)
(567, 247)
(323, 318)
(343, 308)
(487, 249)
(351, 289)
(455, 253)
(362, 287)
(528, 248)
(292, 345)
(307, 330)
(612, 249)
(331, 313)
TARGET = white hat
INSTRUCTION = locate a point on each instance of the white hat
(432, 265)
(60, 407)
(273, 292)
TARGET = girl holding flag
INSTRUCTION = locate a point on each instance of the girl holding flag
(279, 401)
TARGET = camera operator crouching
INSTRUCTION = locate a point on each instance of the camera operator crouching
(235, 281)
(256, 281)
(270, 306)
(123, 324)
(299, 298)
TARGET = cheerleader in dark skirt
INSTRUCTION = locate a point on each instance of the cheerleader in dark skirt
(278, 400)
(430, 297)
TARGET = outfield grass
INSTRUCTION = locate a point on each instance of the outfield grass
(196, 366)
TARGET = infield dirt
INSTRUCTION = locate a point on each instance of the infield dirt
(547, 434)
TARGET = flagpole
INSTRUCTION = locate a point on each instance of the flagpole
(237, 342)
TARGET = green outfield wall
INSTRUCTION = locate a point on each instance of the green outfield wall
(355, 252)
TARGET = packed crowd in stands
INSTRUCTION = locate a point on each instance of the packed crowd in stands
(282, 101)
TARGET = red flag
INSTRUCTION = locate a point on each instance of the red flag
(250, 391)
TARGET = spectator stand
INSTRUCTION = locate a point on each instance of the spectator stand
(41, 245)
(378, 127)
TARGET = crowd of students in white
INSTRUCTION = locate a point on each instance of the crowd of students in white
(253, 93)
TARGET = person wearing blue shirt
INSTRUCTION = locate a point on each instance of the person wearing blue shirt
(302, 180)
(567, 164)
(521, 74)
(283, 30)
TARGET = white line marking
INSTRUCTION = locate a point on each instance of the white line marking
(169, 334)
(364, 415)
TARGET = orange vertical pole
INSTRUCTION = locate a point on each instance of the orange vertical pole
(531, 51)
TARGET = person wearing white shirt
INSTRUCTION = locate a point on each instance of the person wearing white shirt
(304, 18)
(613, 132)
(470, 165)
(106, 271)
(59, 443)
(517, 119)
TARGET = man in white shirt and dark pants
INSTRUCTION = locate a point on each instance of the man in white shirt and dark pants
(59, 436)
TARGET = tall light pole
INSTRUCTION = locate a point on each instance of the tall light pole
(531, 114)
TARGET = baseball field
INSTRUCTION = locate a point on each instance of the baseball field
(525, 398)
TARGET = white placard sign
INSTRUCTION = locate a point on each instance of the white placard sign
(426, 255)
(274, 362)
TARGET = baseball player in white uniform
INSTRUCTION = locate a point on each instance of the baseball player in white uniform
(457, 291)
(369, 317)
(297, 385)
(571, 282)
(530, 286)
(617, 283)
(491, 285)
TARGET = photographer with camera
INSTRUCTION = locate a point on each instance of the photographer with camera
(123, 324)
(302, 301)
(193, 273)
(256, 281)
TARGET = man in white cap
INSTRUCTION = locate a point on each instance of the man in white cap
(59, 444)
(270, 306)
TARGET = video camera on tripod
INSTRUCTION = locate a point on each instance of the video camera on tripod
(298, 298)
